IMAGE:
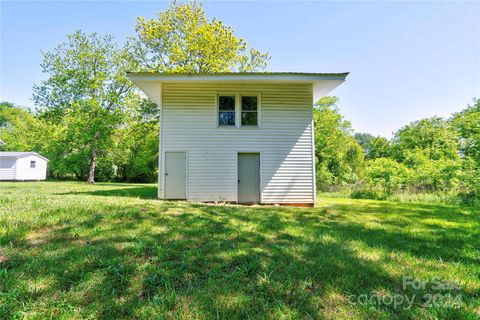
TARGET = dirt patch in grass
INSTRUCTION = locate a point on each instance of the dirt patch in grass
(4, 258)
(40, 236)
(51, 234)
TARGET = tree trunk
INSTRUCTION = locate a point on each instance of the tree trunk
(93, 163)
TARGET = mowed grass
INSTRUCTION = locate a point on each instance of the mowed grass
(72, 250)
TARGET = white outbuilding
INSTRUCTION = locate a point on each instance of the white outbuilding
(22, 166)
(237, 137)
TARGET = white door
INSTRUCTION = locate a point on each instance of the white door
(175, 175)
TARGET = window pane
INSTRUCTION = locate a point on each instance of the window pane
(226, 118)
(249, 118)
(249, 103)
(226, 103)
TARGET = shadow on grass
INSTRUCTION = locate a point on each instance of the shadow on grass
(228, 262)
(147, 192)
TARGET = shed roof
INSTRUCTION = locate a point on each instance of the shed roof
(322, 83)
(14, 154)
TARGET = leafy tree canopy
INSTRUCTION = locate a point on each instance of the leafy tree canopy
(182, 39)
(378, 147)
(432, 137)
(339, 157)
(87, 92)
(363, 139)
(21, 130)
(374, 147)
(467, 125)
(386, 173)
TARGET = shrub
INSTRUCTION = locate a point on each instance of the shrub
(387, 174)
(366, 192)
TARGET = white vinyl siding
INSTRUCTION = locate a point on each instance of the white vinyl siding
(189, 123)
(12, 168)
(25, 172)
(7, 168)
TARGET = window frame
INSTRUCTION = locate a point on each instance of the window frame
(238, 110)
(34, 163)
(217, 113)
(246, 94)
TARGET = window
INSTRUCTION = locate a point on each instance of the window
(32, 164)
(238, 110)
(249, 111)
(226, 110)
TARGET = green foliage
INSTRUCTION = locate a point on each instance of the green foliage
(467, 125)
(131, 156)
(88, 94)
(432, 137)
(432, 175)
(469, 179)
(86, 71)
(182, 39)
(427, 156)
(363, 139)
(339, 157)
(429, 148)
(20, 129)
(378, 147)
(386, 173)
(136, 145)
(374, 147)
(23, 130)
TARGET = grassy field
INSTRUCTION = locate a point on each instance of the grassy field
(72, 250)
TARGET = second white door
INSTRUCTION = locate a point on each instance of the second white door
(175, 175)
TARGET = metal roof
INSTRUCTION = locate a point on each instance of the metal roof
(233, 76)
(14, 154)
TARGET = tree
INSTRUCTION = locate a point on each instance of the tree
(467, 125)
(182, 39)
(469, 178)
(374, 147)
(136, 144)
(339, 158)
(387, 173)
(432, 175)
(429, 148)
(379, 147)
(363, 139)
(87, 92)
(433, 137)
(21, 130)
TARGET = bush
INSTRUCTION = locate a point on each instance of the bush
(368, 193)
(387, 174)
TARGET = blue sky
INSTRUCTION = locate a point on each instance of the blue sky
(408, 60)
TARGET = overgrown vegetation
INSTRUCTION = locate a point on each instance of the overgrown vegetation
(434, 155)
(74, 250)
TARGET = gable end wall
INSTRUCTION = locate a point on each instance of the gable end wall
(285, 141)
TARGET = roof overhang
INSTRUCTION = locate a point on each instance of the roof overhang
(322, 83)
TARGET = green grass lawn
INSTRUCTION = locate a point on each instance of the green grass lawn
(72, 250)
